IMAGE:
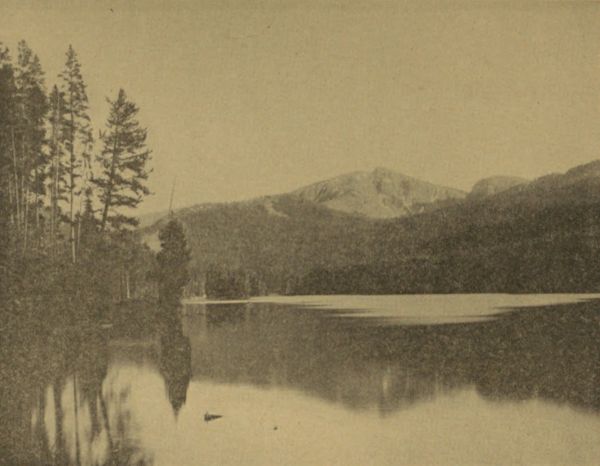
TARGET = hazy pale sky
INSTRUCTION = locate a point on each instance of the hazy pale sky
(245, 98)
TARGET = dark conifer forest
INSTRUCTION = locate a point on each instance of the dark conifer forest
(67, 198)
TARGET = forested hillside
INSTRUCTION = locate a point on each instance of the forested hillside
(540, 236)
(276, 239)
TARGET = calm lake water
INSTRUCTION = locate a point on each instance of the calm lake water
(385, 380)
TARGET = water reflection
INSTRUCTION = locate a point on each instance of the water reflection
(58, 406)
(551, 353)
(175, 358)
(73, 396)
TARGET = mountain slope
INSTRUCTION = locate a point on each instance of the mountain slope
(381, 193)
(538, 237)
(542, 236)
(494, 185)
(275, 237)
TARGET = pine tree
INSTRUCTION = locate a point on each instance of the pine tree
(78, 139)
(7, 112)
(58, 184)
(89, 222)
(173, 259)
(32, 107)
(123, 165)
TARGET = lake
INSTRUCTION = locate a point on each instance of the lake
(322, 380)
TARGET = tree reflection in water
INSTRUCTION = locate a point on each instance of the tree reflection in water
(550, 354)
(175, 357)
(51, 386)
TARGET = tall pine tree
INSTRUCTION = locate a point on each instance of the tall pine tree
(123, 165)
(7, 113)
(32, 107)
(78, 139)
(173, 260)
(58, 183)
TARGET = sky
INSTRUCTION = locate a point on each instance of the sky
(247, 98)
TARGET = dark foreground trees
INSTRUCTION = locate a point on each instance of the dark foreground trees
(64, 239)
(123, 164)
(172, 259)
(76, 136)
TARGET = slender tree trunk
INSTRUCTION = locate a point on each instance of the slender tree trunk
(17, 200)
(24, 194)
(55, 173)
(127, 289)
(53, 206)
(80, 211)
(37, 235)
(37, 200)
(26, 221)
(72, 187)
(23, 200)
(10, 199)
(56, 212)
(109, 188)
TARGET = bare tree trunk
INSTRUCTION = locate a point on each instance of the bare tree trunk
(55, 175)
(53, 207)
(72, 186)
(113, 167)
(17, 200)
(26, 221)
(10, 200)
(79, 214)
(24, 194)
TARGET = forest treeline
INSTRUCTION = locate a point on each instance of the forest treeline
(539, 237)
(68, 193)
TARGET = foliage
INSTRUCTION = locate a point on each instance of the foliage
(58, 170)
(172, 261)
(45, 162)
(76, 136)
(123, 163)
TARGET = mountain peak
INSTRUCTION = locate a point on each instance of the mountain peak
(380, 193)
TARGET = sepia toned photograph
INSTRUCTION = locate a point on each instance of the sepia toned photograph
(299, 232)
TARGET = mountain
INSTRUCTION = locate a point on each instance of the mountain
(540, 236)
(381, 193)
(494, 185)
